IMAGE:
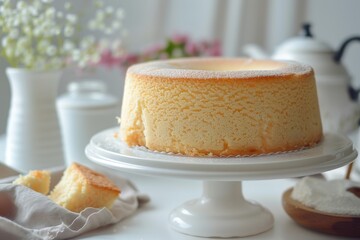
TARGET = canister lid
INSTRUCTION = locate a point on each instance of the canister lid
(87, 94)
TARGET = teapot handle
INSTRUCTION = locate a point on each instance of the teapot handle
(353, 93)
(338, 55)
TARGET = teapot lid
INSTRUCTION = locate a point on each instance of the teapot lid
(305, 42)
(306, 49)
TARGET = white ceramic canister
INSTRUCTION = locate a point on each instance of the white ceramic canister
(85, 110)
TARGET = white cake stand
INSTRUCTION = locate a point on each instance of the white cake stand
(221, 211)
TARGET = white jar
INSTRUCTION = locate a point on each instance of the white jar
(85, 110)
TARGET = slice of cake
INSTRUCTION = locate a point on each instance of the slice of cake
(81, 187)
(37, 180)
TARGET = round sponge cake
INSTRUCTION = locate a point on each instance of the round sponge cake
(220, 106)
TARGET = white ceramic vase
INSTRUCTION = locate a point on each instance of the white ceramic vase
(33, 132)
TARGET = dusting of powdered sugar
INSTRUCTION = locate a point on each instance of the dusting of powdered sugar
(235, 68)
(328, 196)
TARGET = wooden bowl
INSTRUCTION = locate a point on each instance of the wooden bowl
(340, 225)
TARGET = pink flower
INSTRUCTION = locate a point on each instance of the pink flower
(179, 38)
(108, 60)
(131, 58)
(203, 46)
(153, 51)
(215, 49)
(179, 45)
(127, 60)
(191, 49)
(163, 56)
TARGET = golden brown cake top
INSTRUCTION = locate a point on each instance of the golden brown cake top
(94, 178)
(219, 68)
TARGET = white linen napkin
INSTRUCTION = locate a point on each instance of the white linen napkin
(26, 214)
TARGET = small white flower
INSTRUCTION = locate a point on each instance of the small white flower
(76, 55)
(56, 62)
(37, 4)
(40, 63)
(25, 19)
(37, 31)
(36, 35)
(16, 22)
(20, 5)
(95, 58)
(90, 40)
(108, 31)
(92, 25)
(109, 10)
(68, 46)
(51, 50)
(9, 52)
(120, 13)
(22, 43)
(60, 14)
(115, 25)
(43, 44)
(27, 30)
(68, 31)
(104, 44)
(100, 15)
(28, 59)
(56, 31)
(67, 5)
(18, 52)
(14, 33)
(71, 18)
(5, 42)
(50, 12)
(99, 4)
(116, 44)
(33, 11)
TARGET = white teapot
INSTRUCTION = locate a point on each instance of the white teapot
(339, 111)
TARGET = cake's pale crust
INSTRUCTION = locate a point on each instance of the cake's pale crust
(220, 107)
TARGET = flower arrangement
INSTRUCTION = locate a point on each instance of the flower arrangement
(37, 36)
(174, 47)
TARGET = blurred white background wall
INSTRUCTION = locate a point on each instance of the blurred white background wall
(234, 22)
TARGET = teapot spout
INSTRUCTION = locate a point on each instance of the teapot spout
(255, 51)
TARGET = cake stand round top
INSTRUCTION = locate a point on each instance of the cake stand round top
(332, 152)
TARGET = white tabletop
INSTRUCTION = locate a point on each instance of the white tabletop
(150, 222)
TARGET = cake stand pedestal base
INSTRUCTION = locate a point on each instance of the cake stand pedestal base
(221, 211)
